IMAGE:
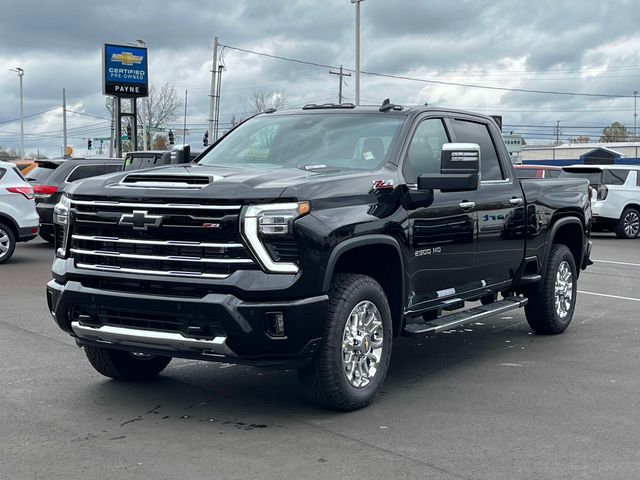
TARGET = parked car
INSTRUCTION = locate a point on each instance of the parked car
(309, 239)
(18, 216)
(537, 171)
(159, 158)
(50, 178)
(615, 197)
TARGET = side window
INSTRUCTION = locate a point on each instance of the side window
(85, 171)
(472, 132)
(112, 167)
(2, 172)
(615, 177)
(425, 149)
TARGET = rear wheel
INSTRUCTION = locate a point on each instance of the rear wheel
(629, 224)
(550, 309)
(7, 243)
(352, 362)
(122, 365)
(47, 237)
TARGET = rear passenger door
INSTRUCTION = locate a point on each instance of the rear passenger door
(499, 204)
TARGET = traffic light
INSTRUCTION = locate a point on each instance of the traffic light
(129, 131)
(205, 139)
(89, 142)
(171, 138)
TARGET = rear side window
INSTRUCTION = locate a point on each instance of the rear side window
(472, 132)
(2, 172)
(615, 177)
(41, 173)
(85, 171)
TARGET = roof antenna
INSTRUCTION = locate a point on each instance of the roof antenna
(387, 105)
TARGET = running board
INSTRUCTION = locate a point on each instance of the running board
(447, 322)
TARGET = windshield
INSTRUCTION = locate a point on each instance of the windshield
(310, 141)
(594, 177)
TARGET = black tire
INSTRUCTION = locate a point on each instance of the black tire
(7, 243)
(47, 237)
(121, 365)
(488, 299)
(541, 312)
(325, 380)
(629, 224)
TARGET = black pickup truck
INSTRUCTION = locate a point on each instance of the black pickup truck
(310, 239)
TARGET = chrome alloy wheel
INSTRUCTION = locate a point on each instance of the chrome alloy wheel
(631, 224)
(5, 243)
(563, 289)
(362, 342)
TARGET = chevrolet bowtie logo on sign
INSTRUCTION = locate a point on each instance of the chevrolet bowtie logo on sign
(124, 70)
(126, 58)
(140, 220)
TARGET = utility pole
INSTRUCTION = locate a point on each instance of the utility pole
(20, 72)
(145, 143)
(184, 125)
(635, 115)
(217, 114)
(340, 75)
(557, 132)
(64, 123)
(212, 91)
(357, 2)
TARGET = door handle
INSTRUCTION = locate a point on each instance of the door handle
(516, 202)
(467, 205)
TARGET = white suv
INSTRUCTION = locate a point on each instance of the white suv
(615, 200)
(18, 216)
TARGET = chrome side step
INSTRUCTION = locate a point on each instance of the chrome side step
(421, 329)
(152, 339)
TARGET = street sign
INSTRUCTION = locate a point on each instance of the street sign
(100, 139)
(124, 71)
(514, 143)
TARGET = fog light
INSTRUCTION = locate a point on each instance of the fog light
(275, 323)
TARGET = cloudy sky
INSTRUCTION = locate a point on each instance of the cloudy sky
(581, 47)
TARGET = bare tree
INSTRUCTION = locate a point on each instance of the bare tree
(264, 98)
(581, 139)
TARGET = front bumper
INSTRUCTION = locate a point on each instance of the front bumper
(241, 327)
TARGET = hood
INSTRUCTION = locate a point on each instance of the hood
(213, 182)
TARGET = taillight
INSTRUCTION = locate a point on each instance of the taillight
(603, 191)
(44, 190)
(26, 192)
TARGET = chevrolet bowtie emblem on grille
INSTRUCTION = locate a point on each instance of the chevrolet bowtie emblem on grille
(140, 220)
(126, 58)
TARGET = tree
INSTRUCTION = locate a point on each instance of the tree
(160, 142)
(616, 132)
(264, 98)
(581, 139)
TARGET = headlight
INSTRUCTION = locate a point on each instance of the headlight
(272, 220)
(61, 211)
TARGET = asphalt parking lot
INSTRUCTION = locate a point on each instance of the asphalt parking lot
(489, 401)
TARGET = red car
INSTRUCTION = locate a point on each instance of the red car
(537, 171)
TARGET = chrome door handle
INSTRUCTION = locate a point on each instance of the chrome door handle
(516, 202)
(467, 205)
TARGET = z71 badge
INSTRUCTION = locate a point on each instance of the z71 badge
(382, 184)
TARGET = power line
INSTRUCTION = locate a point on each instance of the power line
(31, 115)
(437, 82)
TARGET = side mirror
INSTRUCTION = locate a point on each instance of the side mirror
(459, 169)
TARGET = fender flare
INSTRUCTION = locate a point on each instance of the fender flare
(552, 235)
(362, 241)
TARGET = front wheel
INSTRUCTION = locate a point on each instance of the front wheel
(629, 224)
(352, 362)
(550, 309)
(121, 365)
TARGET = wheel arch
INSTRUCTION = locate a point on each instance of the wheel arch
(568, 231)
(11, 223)
(378, 256)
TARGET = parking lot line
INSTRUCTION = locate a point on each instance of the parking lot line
(618, 263)
(609, 296)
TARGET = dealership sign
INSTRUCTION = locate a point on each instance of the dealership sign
(125, 72)
(514, 143)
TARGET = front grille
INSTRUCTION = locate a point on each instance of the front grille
(189, 325)
(158, 239)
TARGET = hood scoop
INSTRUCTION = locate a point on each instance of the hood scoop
(166, 181)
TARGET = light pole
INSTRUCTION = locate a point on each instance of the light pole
(357, 2)
(20, 72)
(635, 115)
(145, 145)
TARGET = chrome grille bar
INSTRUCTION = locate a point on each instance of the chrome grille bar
(170, 258)
(106, 203)
(113, 268)
(169, 243)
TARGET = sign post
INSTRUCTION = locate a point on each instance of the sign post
(125, 75)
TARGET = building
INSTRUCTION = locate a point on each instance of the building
(575, 153)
